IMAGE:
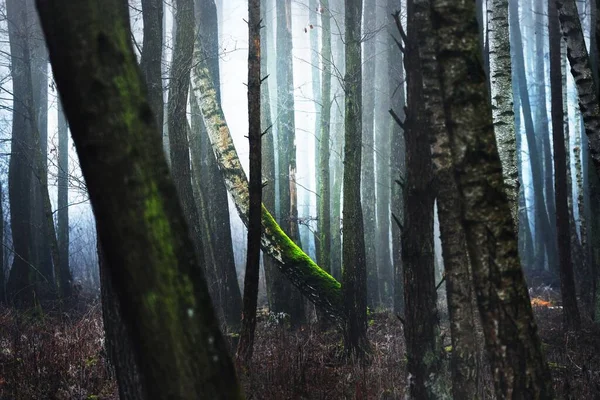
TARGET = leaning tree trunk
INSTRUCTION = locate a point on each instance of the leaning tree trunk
(149, 255)
(64, 279)
(459, 288)
(513, 345)
(314, 283)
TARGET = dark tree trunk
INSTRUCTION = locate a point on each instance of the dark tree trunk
(215, 213)
(179, 82)
(285, 298)
(151, 60)
(397, 155)
(20, 286)
(354, 274)
(368, 155)
(421, 328)
(567, 282)
(459, 288)
(246, 343)
(148, 252)
(514, 347)
(65, 277)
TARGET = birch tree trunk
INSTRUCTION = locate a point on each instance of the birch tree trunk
(314, 283)
(502, 99)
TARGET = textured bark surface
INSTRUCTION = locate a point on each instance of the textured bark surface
(426, 367)
(354, 273)
(150, 257)
(179, 81)
(583, 75)
(246, 343)
(459, 287)
(513, 345)
(502, 99)
(314, 283)
(567, 282)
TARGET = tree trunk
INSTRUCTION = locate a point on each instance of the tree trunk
(314, 283)
(567, 282)
(151, 60)
(354, 274)
(151, 260)
(459, 288)
(368, 155)
(421, 329)
(324, 199)
(20, 286)
(397, 156)
(502, 100)
(285, 299)
(215, 213)
(583, 75)
(246, 343)
(514, 348)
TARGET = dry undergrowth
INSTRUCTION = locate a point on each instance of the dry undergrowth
(62, 357)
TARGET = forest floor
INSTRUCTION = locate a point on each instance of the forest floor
(61, 357)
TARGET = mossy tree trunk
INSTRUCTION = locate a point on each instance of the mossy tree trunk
(246, 343)
(514, 347)
(314, 283)
(149, 254)
(567, 282)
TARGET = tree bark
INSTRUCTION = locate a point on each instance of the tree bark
(314, 283)
(215, 213)
(423, 344)
(246, 343)
(459, 288)
(502, 99)
(150, 256)
(513, 345)
(151, 60)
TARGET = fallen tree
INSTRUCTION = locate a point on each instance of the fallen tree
(312, 281)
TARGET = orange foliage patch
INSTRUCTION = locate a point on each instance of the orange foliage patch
(537, 302)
